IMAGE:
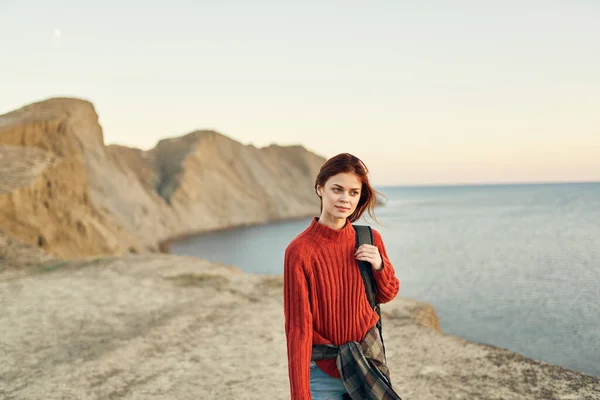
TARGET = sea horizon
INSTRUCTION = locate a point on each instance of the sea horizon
(487, 184)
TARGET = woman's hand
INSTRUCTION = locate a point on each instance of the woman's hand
(369, 253)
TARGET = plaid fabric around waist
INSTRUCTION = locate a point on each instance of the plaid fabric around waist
(362, 367)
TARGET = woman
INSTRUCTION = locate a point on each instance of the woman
(324, 294)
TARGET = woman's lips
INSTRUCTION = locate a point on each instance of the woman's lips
(342, 208)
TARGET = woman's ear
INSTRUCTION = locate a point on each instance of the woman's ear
(320, 191)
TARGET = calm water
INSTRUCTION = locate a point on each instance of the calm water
(516, 266)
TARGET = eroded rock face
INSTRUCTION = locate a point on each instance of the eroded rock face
(45, 202)
(62, 190)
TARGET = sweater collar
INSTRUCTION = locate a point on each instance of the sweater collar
(325, 232)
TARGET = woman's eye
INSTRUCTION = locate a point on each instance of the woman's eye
(337, 190)
(355, 193)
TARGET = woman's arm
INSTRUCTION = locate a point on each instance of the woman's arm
(387, 283)
(298, 323)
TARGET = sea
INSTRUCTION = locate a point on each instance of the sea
(516, 266)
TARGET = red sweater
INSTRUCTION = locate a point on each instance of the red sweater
(324, 297)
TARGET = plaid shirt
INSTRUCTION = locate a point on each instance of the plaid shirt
(362, 367)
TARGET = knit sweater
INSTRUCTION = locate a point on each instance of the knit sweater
(324, 297)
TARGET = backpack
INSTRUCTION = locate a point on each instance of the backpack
(364, 235)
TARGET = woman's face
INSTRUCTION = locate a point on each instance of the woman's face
(340, 195)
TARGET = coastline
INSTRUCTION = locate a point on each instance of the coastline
(478, 340)
(164, 245)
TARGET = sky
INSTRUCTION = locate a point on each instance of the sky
(424, 92)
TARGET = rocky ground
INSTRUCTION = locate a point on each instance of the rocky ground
(167, 327)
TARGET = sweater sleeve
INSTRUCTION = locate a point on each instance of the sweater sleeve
(298, 324)
(387, 283)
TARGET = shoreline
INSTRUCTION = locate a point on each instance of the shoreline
(165, 249)
(164, 245)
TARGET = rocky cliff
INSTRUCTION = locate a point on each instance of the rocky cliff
(63, 191)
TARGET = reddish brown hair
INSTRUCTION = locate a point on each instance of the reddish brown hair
(347, 163)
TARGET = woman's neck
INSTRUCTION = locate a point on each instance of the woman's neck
(333, 223)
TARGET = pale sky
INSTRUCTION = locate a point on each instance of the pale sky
(425, 92)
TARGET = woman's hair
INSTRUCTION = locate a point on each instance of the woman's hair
(345, 163)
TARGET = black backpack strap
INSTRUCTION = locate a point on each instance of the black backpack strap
(364, 235)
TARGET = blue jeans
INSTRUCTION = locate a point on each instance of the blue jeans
(323, 386)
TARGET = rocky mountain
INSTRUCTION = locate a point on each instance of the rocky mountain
(64, 191)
